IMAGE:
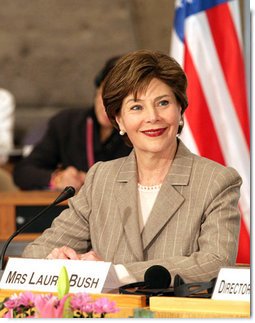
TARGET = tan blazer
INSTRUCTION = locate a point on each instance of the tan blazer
(192, 230)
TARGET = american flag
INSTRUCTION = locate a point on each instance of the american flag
(207, 42)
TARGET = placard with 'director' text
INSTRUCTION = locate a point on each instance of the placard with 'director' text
(42, 275)
(233, 283)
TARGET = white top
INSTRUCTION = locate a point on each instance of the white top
(148, 195)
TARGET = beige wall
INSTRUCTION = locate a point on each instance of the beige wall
(50, 50)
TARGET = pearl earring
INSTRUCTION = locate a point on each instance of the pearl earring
(122, 133)
(181, 122)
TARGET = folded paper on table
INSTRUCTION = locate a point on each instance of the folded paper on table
(233, 283)
(42, 275)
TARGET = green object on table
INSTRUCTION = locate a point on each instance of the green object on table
(141, 312)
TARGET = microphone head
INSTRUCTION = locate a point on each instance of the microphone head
(68, 192)
(157, 277)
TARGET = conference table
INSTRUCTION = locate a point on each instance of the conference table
(162, 307)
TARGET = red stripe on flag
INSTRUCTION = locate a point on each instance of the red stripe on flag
(230, 55)
(198, 115)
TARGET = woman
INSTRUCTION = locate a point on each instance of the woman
(161, 204)
(74, 141)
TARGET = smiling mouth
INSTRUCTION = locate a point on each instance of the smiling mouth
(154, 132)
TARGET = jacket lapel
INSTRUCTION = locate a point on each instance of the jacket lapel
(169, 199)
(127, 198)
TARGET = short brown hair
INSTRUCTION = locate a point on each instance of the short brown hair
(133, 73)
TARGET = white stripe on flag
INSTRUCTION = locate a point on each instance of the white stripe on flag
(234, 8)
(177, 48)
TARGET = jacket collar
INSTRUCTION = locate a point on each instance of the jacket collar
(179, 172)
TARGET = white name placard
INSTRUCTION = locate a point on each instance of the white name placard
(42, 275)
(233, 283)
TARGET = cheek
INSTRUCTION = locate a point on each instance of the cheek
(99, 102)
(100, 110)
(130, 123)
(175, 118)
(123, 121)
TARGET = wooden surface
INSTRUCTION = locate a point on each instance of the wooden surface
(8, 203)
(170, 307)
(181, 307)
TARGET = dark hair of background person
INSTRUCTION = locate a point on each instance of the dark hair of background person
(110, 63)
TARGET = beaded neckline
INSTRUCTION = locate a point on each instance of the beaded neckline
(149, 188)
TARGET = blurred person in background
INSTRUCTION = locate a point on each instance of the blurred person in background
(7, 110)
(74, 140)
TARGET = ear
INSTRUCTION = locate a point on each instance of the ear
(119, 122)
(180, 113)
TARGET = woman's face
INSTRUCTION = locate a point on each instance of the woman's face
(151, 120)
(100, 110)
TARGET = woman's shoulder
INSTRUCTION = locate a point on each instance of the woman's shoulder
(69, 113)
(68, 120)
(115, 168)
(206, 167)
(216, 170)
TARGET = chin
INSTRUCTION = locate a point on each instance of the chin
(153, 150)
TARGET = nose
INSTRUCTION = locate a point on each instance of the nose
(151, 114)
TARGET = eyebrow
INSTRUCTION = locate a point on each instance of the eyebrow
(156, 99)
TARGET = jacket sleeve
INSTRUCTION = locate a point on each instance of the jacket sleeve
(70, 228)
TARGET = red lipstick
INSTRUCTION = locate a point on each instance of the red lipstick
(154, 132)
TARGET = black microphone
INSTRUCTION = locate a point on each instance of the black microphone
(157, 280)
(68, 192)
(157, 277)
